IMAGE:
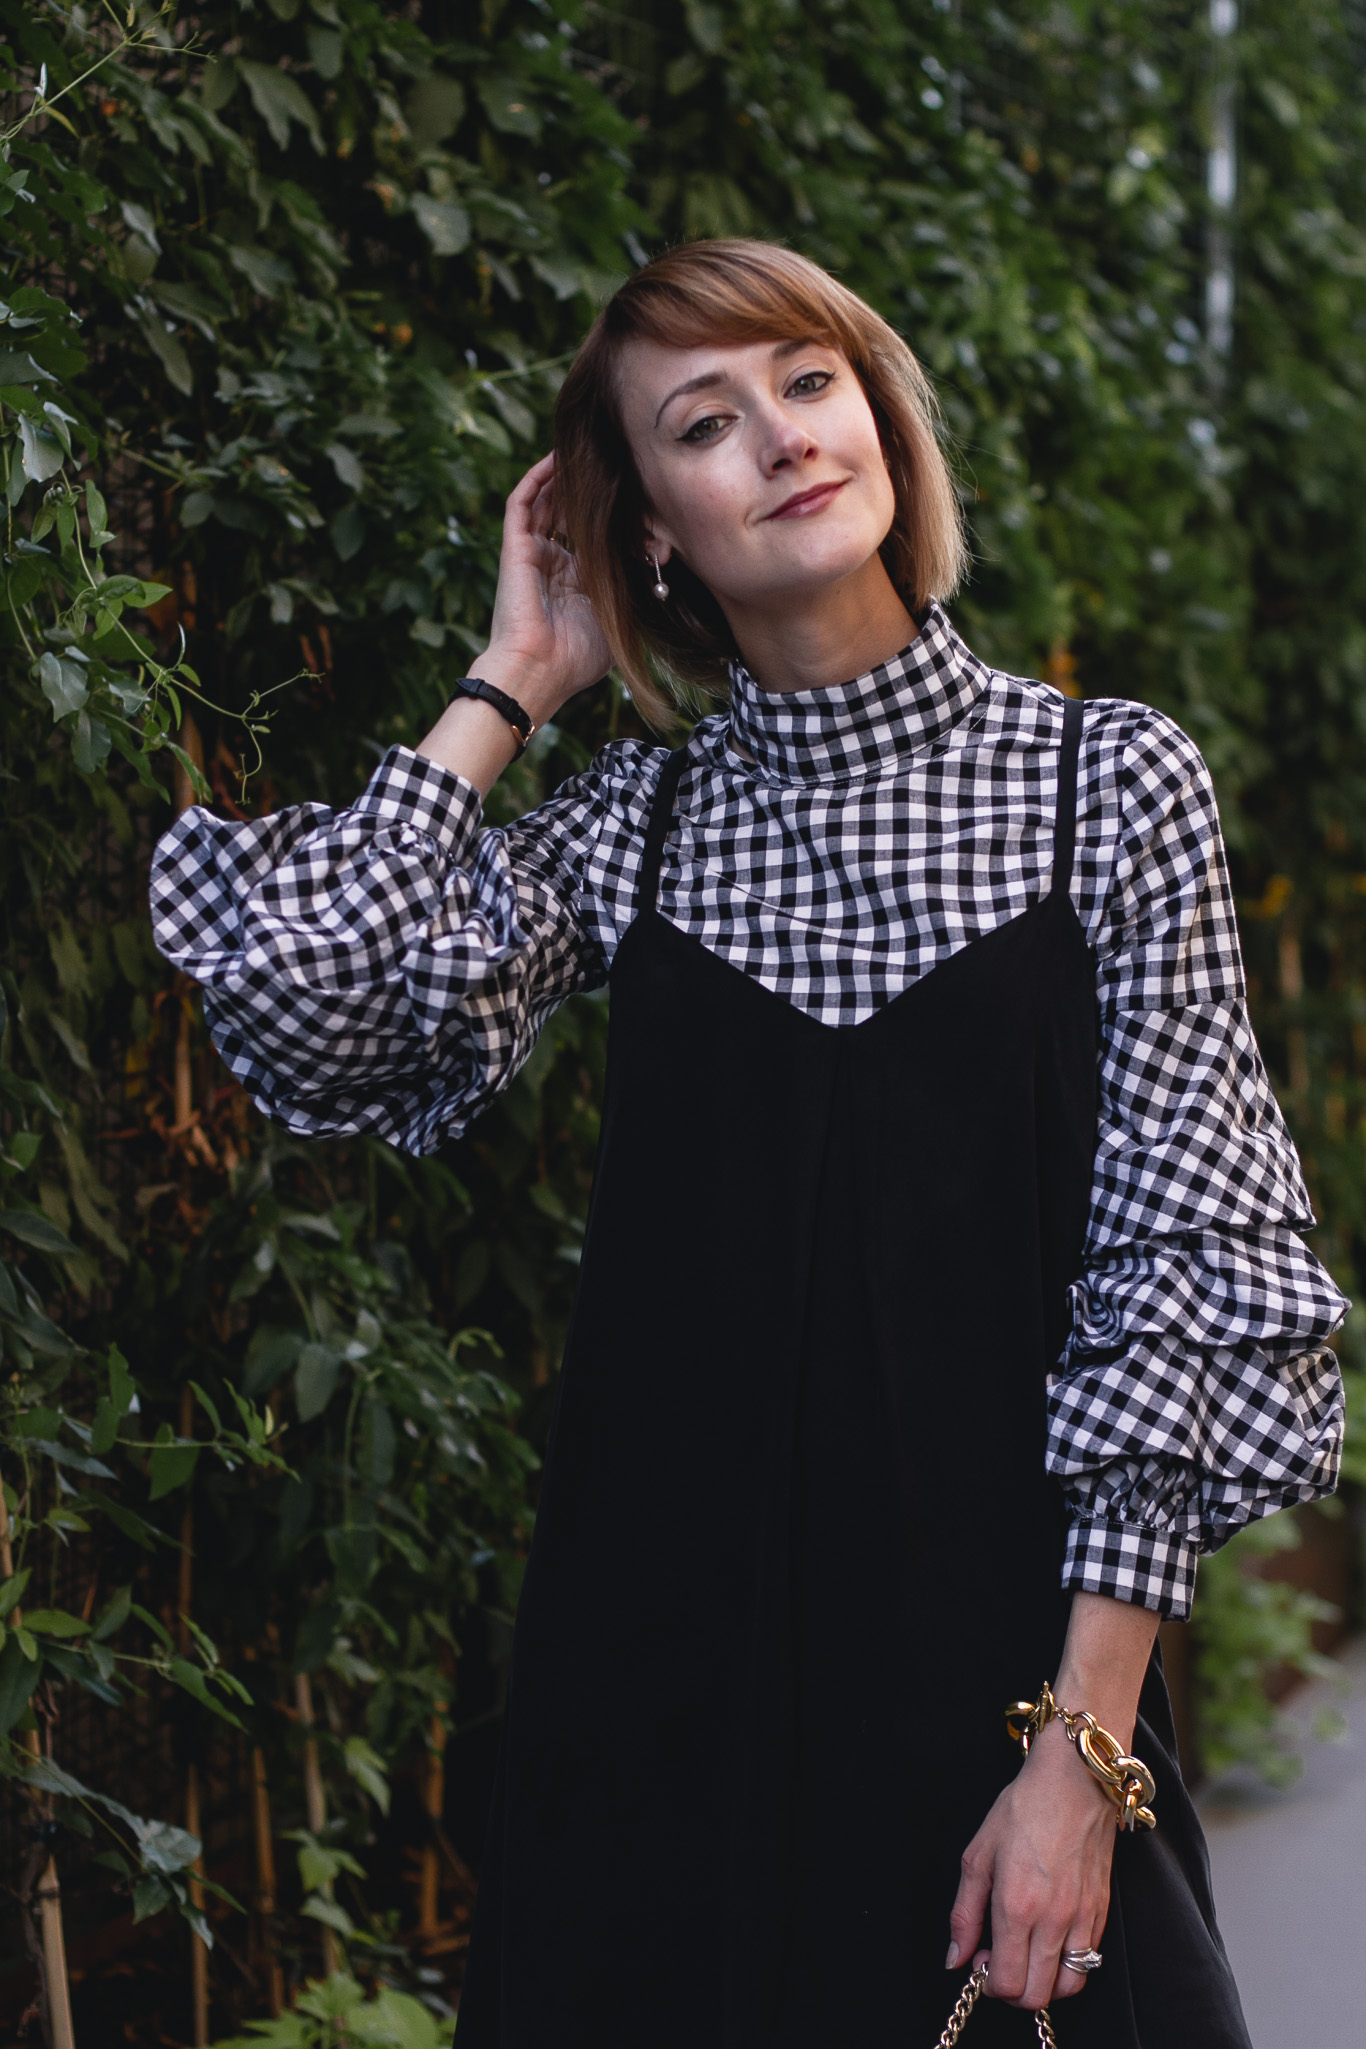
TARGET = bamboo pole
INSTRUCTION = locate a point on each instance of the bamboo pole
(265, 1881)
(199, 1955)
(48, 1892)
(1292, 994)
(315, 1802)
(433, 1801)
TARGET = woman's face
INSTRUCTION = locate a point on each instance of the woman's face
(761, 465)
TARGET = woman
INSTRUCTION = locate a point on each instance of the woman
(941, 1297)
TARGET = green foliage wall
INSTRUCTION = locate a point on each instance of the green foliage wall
(291, 285)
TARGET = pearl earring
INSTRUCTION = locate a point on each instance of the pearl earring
(661, 589)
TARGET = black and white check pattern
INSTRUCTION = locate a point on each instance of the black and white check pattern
(387, 968)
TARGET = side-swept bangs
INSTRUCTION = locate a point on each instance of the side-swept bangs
(726, 292)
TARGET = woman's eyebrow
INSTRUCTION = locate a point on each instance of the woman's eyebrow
(705, 382)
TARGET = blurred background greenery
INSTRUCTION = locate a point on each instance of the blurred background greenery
(289, 289)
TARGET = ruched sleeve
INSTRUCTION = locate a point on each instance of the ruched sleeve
(1196, 1391)
(385, 968)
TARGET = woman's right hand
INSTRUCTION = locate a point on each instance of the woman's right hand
(545, 645)
(544, 648)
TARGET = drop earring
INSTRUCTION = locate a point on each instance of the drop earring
(661, 589)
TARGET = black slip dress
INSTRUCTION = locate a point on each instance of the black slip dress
(796, 1545)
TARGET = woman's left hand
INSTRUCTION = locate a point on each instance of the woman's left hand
(1042, 1859)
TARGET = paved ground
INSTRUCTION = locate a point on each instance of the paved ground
(1290, 1883)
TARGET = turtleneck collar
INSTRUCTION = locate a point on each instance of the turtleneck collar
(864, 726)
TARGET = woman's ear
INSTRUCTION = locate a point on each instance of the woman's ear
(658, 551)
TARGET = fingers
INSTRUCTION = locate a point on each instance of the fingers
(1085, 1933)
(1041, 1980)
(1009, 1957)
(532, 484)
(520, 511)
(970, 1905)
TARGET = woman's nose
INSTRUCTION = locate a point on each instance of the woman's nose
(784, 442)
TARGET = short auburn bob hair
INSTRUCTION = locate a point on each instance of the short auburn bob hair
(731, 291)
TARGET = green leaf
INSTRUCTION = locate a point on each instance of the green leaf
(193, 1681)
(12, 1589)
(171, 1462)
(21, 369)
(367, 1769)
(315, 1379)
(63, 684)
(169, 349)
(122, 1388)
(134, 1527)
(158, 1629)
(507, 106)
(141, 222)
(79, 1461)
(150, 1895)
(270, 1355)
(218, 83)
(19, 1676)
(32, 1228)
(167, 1850)
(321, 1863)
(266, 274)
(279, 99)
(346, 464)
(105, 1427)
(347, 529)
(37, 1422)
(90, 744)
(446, 225)
(55, 1622)
(23, 1148)
(113, 1615)
(43, 454)
(96, 511)
(395, 2020)
(325, 50)
(329, 1913)
(434, 110)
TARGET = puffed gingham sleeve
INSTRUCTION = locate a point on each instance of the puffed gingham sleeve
(385, 968)
(1196, 1391)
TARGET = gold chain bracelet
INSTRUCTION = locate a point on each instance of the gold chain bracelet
(1126, 1779)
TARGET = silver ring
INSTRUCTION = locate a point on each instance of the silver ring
(1082, 1960)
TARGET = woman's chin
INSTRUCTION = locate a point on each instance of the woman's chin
(803, 573)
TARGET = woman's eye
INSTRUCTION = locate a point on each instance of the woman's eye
(809, 382)
(705, 430)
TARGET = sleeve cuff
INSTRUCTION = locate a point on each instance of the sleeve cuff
(1132, 1562)
(408, 789)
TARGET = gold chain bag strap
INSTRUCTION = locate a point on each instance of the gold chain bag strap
(969, 1997)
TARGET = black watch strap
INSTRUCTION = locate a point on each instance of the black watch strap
(521, 722)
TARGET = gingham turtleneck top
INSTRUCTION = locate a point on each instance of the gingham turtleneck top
(388, 967)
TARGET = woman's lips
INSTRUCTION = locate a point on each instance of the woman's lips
(807, 501)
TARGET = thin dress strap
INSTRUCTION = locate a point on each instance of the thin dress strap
(1065, 822)
(661, 813)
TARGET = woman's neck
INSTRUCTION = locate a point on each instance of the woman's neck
(836, 633)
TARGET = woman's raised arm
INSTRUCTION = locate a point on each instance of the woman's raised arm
(389, 966)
